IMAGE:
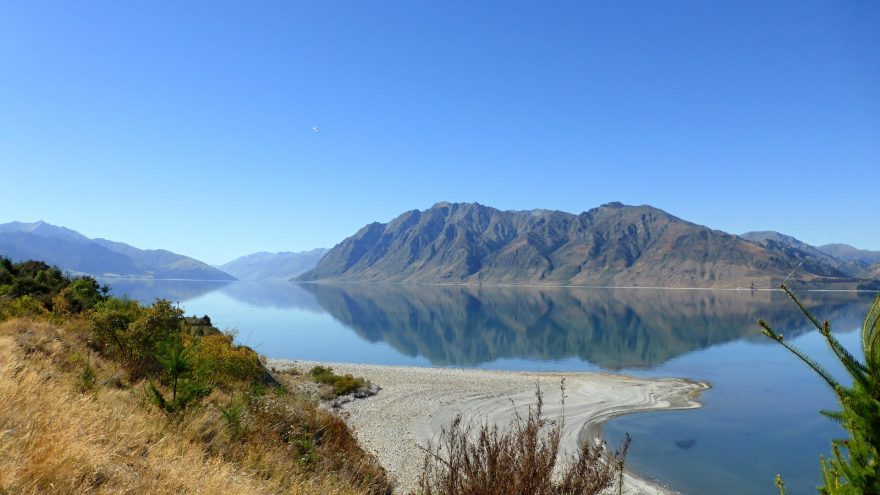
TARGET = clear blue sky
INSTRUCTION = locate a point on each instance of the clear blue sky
(188, 125)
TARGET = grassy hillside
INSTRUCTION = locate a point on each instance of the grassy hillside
(102, 395)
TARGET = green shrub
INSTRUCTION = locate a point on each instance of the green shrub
(22, 307)
(82, 294)
(110, 322)
(223, 362)
(341, 384)
(46, 283)
(157, 323)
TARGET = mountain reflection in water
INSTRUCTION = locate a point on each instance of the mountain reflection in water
(475, 325)
(612, 328)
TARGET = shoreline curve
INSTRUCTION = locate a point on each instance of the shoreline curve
(414, 403)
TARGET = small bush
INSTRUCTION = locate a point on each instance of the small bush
(341, 384)
(221, 361)
(521, 460)
(133, 334)
(110, 322)
(22, 307)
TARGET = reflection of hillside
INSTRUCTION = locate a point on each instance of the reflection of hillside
(614, 328)
(284, 295)
(146, 291)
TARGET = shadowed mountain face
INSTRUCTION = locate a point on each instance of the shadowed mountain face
(72, 251)
(613, 245)
(613, 328)
(273, 266)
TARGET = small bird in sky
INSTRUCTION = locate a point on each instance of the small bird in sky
(315, 129)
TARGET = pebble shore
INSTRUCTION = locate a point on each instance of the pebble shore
(415, 403)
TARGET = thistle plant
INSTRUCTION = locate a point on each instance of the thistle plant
(854, 466)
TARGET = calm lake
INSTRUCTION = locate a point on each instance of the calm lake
(760, 417)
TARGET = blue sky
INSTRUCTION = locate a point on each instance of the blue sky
(189, 125)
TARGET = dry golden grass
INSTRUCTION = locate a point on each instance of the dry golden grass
(55, 439)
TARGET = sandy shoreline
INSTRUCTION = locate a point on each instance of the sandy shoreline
(415, 403)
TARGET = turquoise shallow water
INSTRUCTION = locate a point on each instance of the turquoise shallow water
(760, 418)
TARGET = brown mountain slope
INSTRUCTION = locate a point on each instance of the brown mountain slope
(609, 245)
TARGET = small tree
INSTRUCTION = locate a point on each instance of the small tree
(854, 467)
(156, 325)
(179, 366)
(110, 322)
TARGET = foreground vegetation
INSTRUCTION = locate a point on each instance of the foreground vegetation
(854, 466)
(105, 395)
(519, 460)
(108, 396)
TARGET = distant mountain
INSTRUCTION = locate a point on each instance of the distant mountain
(848, 253)
(815, 260)
(273, 266)
(613, 244)
(850, 261)
(73, 251)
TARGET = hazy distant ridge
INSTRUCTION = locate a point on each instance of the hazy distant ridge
(846, 260)
(848, 253)
(73, 251)
(613, 244)
(273, 266)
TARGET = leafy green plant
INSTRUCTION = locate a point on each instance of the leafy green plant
(854, 466)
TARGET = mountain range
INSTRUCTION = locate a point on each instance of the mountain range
(75, 252)
(846, 260)
(613, 244)
(273, 266)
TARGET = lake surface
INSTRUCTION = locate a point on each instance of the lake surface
(760, 417)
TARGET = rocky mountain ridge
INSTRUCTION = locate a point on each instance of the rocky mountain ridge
(613, 245)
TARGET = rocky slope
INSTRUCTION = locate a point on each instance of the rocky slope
(613, 244)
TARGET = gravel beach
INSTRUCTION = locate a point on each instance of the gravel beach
(415, 403)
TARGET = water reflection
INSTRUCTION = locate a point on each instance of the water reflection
(474, 325)
(146, 291)
(271, 294)
(280, 295)
(613, 328)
